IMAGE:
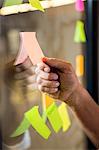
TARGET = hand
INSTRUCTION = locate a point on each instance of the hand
(23, 75)
(57, 78)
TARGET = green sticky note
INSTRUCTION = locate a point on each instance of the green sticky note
(54, 117)
(12, 2)
(36, 4)
(64, 116)
(80, 35)
(37, 122)
(22, 128)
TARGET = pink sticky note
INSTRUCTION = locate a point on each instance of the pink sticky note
(32, 47)
(79, 5)
(22, 54)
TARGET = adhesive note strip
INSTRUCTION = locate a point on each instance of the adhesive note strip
(64, 116)
(79, 5)
(54, 117)
(32, 47)
(36, 4)
(12, 2)
(80, 65)
(80, 35)
(37, 122)
(25, 124)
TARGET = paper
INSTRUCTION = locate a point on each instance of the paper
(32, 47)
(80, 65)
(25, 124)
(80, 32)
(47, 101)
(64, 116)
(36, 4)
(12, 2)
(54, 117)
(37, 122)
(79, 5)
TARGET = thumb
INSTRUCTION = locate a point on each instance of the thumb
(55, 63)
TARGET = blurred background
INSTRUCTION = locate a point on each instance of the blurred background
(55, 33)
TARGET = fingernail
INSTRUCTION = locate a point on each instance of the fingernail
(55, 77)
(56, 90)
(57, 84)
(47, 69)
(44, 59)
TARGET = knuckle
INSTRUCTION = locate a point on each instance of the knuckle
(41, 88)
(49, 76)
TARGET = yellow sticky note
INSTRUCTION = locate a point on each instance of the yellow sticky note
(64, 116)
(54, 117)
(80, 65)
(80, 35)
(37, 122)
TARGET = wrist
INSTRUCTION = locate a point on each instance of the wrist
(74, 100)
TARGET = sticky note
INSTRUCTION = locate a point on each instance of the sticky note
(64, 116)
(80, 35)
(79, 5)
(37, 122)
(46, 101)
(80, 65)
(32, 46)
(54, 117)
(12, 2)
(36, 4)
(25, 124)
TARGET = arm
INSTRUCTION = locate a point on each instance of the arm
(64, 85)
(87, 112)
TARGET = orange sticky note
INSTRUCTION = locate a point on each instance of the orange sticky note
(47, 100)
(80, 65)
(32, 46)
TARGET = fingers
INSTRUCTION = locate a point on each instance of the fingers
(47, 83)
(56, 63)
(47, 90)
(44, 72)
(24, 74)
(42, 66)
(32, 87)
(47, 76)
